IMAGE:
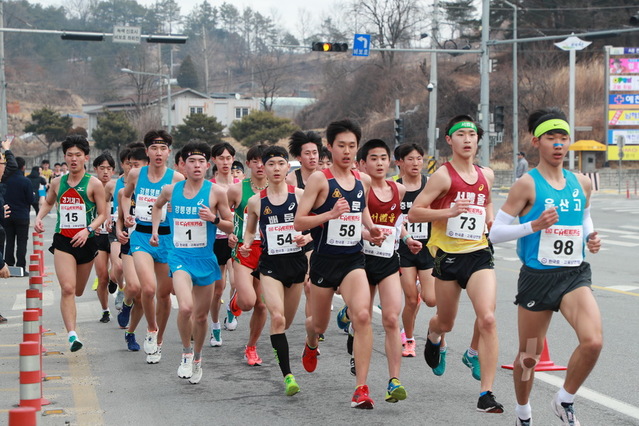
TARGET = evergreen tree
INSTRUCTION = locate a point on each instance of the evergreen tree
(113, 132)
(198, 126)
(187, 77)
(51, 124)
(261, 127)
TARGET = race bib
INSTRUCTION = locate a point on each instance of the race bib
(419, 230)
(144, 208)
(244, 222)
(346, 230)
(467, 226)
(388, 246)
(280, 238)
(189, 233)
(73, 216)
(561, 245)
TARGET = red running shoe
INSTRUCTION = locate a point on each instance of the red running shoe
(309, 358)
(361, 398)
(235, 310)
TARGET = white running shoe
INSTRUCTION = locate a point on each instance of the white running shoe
(185, 370)
(216, 338)
(119, 299)
(197, 372)
(230, 325)
(155, 357)
(564, 411)
(151, 342)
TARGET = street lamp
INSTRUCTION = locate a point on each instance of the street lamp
(515, 92)
(168, 91)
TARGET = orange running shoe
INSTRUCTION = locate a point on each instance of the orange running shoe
(251, 356)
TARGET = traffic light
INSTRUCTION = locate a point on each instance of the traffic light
(498, 118)
(399, 131)
(322, 46)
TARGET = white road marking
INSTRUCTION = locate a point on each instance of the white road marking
(631, 227)
(620, 243)
(594, 396)
(623, 287)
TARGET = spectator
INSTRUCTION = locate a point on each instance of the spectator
(47, 173)
(19, 197)
(522, 165)
(7, 166)
(38, 184)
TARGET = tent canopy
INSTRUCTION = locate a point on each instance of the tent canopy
(587, 145)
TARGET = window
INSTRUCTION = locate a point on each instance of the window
(241, 112)
(196, 110)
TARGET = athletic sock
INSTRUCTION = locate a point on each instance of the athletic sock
(524, 412)
(188, 350)
(473, 352)
(280, 347)
(72, 334)
(197, 356)
(566, 397)
(215, 326)
(349, 344)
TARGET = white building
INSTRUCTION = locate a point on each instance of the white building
(226, 108)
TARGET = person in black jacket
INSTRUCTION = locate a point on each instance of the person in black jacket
(7, 165)
(38, 183)
(19, 197)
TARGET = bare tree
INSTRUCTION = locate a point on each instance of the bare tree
(391, 22)
(269, 73)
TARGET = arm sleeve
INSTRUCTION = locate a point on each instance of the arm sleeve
(503, 229)
(589, 226)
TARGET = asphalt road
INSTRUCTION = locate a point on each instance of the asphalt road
(106, 384)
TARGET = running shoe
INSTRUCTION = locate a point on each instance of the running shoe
(488, 404)
(309, 358)
(94, 287)
(342, 319)
(196, 376)
(361, 398)
(404, 337)
(235, 310)
(124, 315)
(409, 349)
(431, 353)
(2, 319)
(131, 344)
(353, 371)
(441, 368)
(185, 370)
(291, 385)
(151, 342)
(216, 338)
(520, 422)
(472, 362)
(154, 358)
(106, 317)
(320, 337)
(113, 286)
(395, 391)
(251, 357)
(74, 344)
(230, 322)
(564, 411)
(119, 300)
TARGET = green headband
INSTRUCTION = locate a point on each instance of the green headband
(552, 124)
(462, 125)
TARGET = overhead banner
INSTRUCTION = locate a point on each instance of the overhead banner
(630, 153)
(630, 136)
(624, 66)
(627, 117)
(625, 83)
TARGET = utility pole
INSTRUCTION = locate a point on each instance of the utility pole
(485, 82)
(206, 62)
(432, 88)
(515, 92)
(4, 124)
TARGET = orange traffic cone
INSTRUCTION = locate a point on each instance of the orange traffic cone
(545, 363)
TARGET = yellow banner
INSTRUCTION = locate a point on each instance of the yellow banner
(630, 153)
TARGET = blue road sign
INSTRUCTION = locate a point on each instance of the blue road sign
(361, 45)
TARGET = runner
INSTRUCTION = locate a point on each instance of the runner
(81, 208)
(334, 208)
(237, 170)
(222, 156)
(325, 159)
(151, 262)
(103, 167)
(198, 207)
(132, 309)
(456, 200)
(382, 262)
(247, 287)
(553, 206)
(283, 263)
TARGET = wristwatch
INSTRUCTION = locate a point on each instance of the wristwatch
(90, 229)
(217, 220)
